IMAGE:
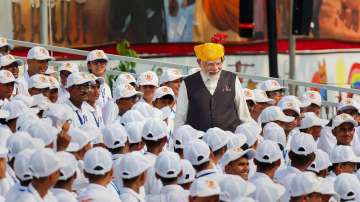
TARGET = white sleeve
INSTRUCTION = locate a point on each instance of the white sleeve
(242, 109)
(5, 185)
(181, 106)
(109, 113)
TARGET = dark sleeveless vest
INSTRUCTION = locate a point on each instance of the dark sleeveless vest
(218, 110)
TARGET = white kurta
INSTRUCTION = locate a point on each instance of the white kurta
(210, 83)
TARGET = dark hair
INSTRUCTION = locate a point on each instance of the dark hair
(131, 180)
(261, 166)
(93, 177)
(3, 121)
(202, 166)
(153, 143)
(166, 181)
(116, 150)
(217, 152)
(297, 159)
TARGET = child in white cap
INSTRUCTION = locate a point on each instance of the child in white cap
(93, 109)
(172, 78)
(148, 82)
(132, 170)
(78, 85)
(320, 166)
(217, 140)
(65, 70)
(187, 175)
(116, 141)
(7, 84)
(204, 190)
(23, 174)
(96, 63)
(5, 46)
(234, 188)
(168, 170)
(10, 63)
(98, 168)
(198, 153)
(54, 89)
(236, 162)
(183, 135)
(63, 188)
(311, 102)
(347, 187)
(125, 97)
(39, 84)
(312, 124)
(154, 135)
(37, 61)
(134, 130)
(45, 165)
(343, 160)
(267, 160)
(261, 102)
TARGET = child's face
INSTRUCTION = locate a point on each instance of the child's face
(98, 67)
(238, 167)
(161, 103)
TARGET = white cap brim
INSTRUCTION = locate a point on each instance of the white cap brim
(286, 119)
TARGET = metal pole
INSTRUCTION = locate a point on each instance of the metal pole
(44, 22)
(292, 49)
(272, 38)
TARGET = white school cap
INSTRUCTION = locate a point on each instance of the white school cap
(39, 53)
(311, 97)
(343, 118)
(115, 136)
(134, 130)
(197, 152)
(42, 130)
(342, 153)
(70, 67)
(162, 91)
(94, 133)
(204, 187)
(170, 75)
(274, 113)
(79, 138)
(29, 101)
(6, 77)
(347, 186)
(154, 129)
(125, 91)
(236, 141)
(304, 183)
(285, 104)
(268, 192)
(183, 135)
(251, 130)
(148, 78)
(321, 162)
(216, 138)
(132, 165)
(58, 113)
(268, 152)
(95, 79)
(234, 187)
(18, 142)
(22, 164)
(270, 85)
(249, 94)
(98, 161)
(17, 108)
(6, 60)
(275, 133)
(188, 172)
(348, 103)
(234, 154)
(261, 97)
(4, 42)
(96, 55)
(131, 116)
(54, 83)
(68, 165)
(3, 152)
(50, 70)
(167, 164)
(124, 78)
(44, 162)
(77, 78)
(311, 119)
(302, 144)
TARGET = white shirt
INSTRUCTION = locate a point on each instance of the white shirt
(93, 115)
(130, 195)
(105, 95)
(15, 191)
(6, 183)
(63, 195)
(210, 173)
(63, 94)
(31, 195)
(110, 112)
(210, 83)
(21, 86)
(97, 193)
(284, 177)
(152, 185)
(169, 193)
(265, 187)
(78, 116)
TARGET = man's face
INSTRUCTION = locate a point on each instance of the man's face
(344, 133)
(13, 68)
(174, 85)
(63, 77)
(6, 90)
(211, 67)
(79, 92)
(98, 67)
(37, 66)
(125, 104)
(290, 126)
(238, 167)
(345, 167)
(148, 91)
